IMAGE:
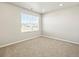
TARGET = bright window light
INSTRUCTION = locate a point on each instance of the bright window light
(29, 22)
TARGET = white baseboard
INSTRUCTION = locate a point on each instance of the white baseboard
(60, 39)
(19, 41)
(36, 37)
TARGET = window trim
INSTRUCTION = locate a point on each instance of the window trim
(31, 15)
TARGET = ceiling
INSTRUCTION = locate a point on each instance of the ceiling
(44, 7)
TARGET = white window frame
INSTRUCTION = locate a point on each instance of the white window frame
(31, 26)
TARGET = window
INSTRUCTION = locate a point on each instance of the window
(29, 22)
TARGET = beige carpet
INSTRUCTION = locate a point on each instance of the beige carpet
(41, 46)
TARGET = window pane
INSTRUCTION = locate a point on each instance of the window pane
(29, 23)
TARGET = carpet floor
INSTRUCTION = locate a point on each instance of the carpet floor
(41, 47)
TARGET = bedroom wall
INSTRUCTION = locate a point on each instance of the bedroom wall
(62, 24)
(10, 26)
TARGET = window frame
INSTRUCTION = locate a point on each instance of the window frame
(31, 15)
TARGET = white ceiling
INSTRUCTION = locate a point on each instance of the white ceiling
(44, 7)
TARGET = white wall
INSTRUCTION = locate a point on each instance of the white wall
(63, 24)
(10, 26)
